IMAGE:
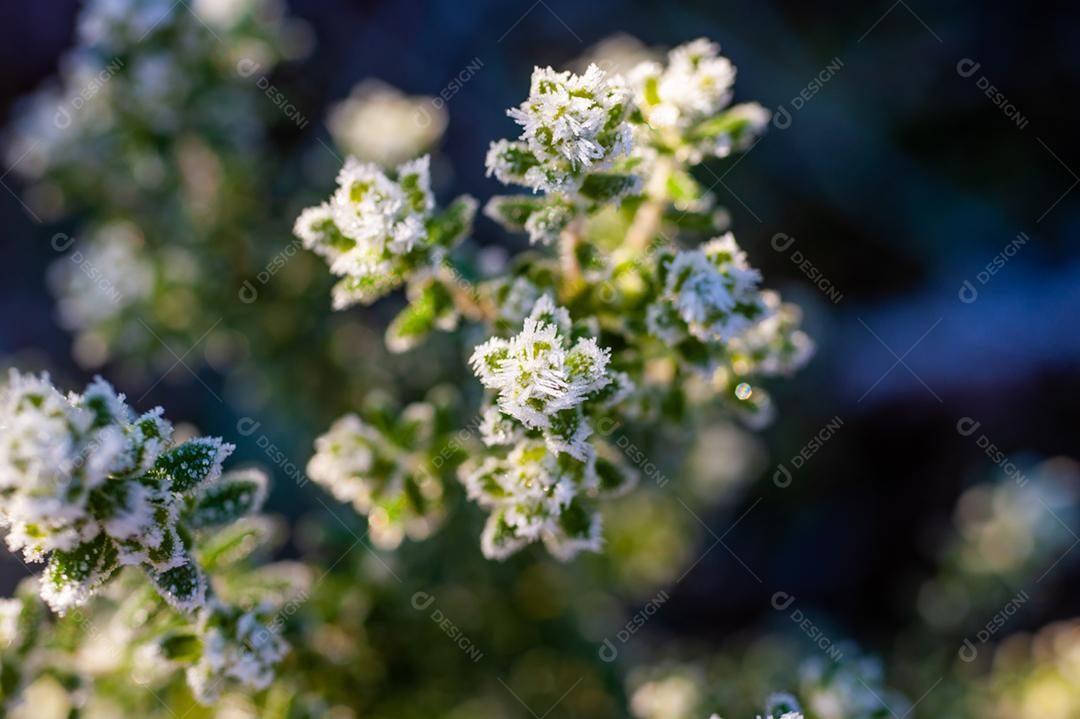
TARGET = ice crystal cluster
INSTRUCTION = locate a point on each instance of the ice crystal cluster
(378, 229)
(546, 388)
(594, 139)
(710, 308)
(90, 486)
(575, 145)
(636, 317)
(683, 103)
(571, 126)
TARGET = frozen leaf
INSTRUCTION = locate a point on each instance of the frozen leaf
(234, 495)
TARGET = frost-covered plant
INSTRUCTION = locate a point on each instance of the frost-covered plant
(620, 325)
(685, 103)
(547, 392)
(575, 146)
(90, 487)
(377, 230)
(237, 648)
(385, 462)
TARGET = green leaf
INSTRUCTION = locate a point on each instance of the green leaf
(193, 463)
(450, 226)
(603, 188)
(514, 159)
(499, 540)
(430, 307)
(545, 224)
(740, 123)
(700, 223)
(180, 646)
(31, 618)
(183, 587)
(683, 188)
(234, 495)
(364, 289)
(72, 577)
(615, 479)
(575, 520)
(231, 544)
(513, 211)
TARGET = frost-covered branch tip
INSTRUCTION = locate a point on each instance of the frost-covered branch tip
(380, 229)
(546, 388)
(90, 487)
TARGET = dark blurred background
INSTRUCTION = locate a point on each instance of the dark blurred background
(899, 179)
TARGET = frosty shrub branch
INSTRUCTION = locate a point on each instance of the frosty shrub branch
(91, 488)
(636, 324)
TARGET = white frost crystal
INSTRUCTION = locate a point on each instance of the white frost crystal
(570, 124)
(775, 345)
(536, 373)
(695, 84)
(238, 648)
(683, 102)
(710, 293)
(544, 387)
(723, 328)
(91, 486)
(370, 226)
(10, 609)
(377, 229)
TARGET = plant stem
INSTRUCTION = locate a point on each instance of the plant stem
(466, 299)
(647, 219)
(569, 239)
